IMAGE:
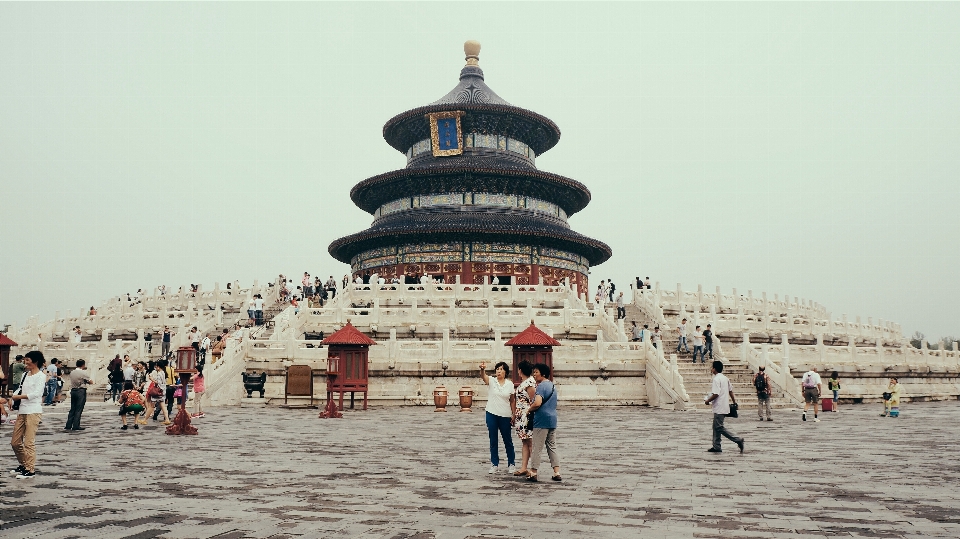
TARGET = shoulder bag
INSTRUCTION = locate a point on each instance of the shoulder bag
(734, 407)
(530, 415)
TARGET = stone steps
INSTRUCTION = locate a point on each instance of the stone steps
(697, 378)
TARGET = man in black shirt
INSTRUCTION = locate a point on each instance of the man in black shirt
(708, 342)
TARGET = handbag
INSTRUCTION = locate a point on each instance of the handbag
(154, 391)
(886, 396)
(15, 405)
(734, 408)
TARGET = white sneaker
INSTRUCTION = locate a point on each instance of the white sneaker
(511, 469)
(816, 420)
(493, 469)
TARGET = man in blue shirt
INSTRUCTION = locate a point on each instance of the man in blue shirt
(544, 422)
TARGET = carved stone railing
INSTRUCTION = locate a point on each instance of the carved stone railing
(736, 312)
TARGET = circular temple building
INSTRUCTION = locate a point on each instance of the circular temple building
(470, 203)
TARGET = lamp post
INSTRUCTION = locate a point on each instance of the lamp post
(186, 367)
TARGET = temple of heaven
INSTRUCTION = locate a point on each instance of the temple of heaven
(471, 204)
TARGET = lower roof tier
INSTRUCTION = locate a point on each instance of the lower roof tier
(463, 177)
(498, 225)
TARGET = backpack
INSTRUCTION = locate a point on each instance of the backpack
(808, 381)
(760, 382)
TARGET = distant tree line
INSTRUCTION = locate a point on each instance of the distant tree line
(918, 338)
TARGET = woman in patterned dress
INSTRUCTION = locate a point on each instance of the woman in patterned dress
(526, 392)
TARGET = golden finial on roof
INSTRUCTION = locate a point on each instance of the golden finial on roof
(471, 49)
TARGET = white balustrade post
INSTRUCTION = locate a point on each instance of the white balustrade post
(859, 327)
(740, 319)
(679, 294)
(139, 343)
(744, 345)
(713, 316)
(674, 383)
(719, 299)
(736, 299)
(785, 376)
(699, 295)
(785, 342)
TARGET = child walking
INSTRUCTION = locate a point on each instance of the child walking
(834, 385)
(198, 388)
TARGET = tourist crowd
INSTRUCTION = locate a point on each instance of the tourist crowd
(530, 410)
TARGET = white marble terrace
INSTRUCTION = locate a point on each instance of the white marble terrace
(430, 334)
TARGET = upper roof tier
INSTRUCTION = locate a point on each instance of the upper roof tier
(485, 112)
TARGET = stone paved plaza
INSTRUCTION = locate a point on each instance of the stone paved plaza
(409, 472)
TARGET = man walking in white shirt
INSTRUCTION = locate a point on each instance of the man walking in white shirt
(698, 346)
(682, 337)
(811, 392)
(721, 395)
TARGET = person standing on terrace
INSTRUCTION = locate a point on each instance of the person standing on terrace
(499, 414)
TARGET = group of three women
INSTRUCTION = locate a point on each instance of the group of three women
(530, 409)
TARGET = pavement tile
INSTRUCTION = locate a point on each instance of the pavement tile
(403, 473)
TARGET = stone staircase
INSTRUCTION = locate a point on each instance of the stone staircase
(697, 379)
(230, 321)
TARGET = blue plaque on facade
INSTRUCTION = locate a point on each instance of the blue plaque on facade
(447, 134)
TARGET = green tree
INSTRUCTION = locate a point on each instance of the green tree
(917, 339)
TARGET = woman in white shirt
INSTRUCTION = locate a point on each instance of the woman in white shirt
(499, 413)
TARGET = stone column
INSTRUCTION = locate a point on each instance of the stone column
(392, 347)
(744, 345)
(445, 344)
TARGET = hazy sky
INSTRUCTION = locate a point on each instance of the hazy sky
(810, 149)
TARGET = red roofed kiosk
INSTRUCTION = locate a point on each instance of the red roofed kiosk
(534, 346)
(346, 367)
(5, 344)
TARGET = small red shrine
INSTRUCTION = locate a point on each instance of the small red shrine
(534, 346)
(347, 354)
